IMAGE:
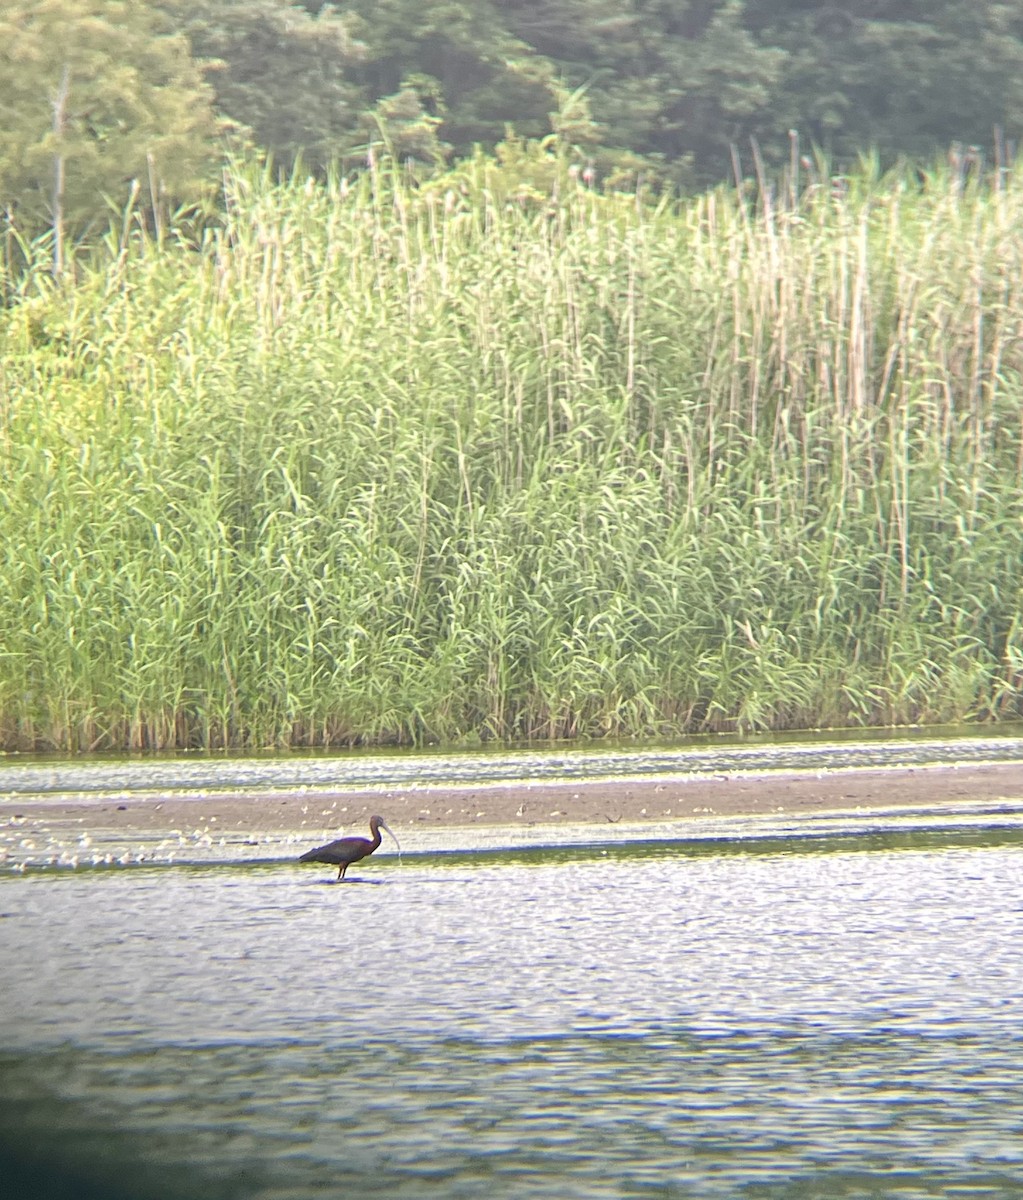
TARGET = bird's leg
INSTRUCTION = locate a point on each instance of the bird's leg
(341, 873)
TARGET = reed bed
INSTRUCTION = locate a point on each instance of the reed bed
(371, 463)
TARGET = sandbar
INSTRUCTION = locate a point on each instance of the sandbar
(599, 802)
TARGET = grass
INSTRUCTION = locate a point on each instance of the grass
(371, 463)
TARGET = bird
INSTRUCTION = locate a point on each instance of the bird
(347, 850)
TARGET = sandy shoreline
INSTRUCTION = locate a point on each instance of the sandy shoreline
(597, 802)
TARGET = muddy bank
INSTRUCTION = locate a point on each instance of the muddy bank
(599, 802)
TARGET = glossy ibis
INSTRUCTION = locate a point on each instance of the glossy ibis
(345, 851)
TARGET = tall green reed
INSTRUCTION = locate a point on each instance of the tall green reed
(370, 463)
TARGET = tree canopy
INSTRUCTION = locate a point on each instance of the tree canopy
(97, 93)
(672, 83)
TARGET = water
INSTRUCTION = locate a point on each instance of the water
(833, 1017)
(96, 777)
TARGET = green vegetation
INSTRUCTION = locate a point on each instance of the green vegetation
(102, 97)
(100, 100)
(377, 462)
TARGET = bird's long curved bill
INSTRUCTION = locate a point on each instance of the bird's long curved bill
(390, 831)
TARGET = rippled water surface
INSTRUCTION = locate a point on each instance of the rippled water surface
(19, 777)
(841, 1018)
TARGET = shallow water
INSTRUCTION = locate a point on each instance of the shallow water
(802, 1018)
(85, 777)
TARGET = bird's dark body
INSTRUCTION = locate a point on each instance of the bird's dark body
(347, 850)
(341, 853)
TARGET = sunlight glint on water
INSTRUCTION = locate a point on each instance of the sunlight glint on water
(761, 1025)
